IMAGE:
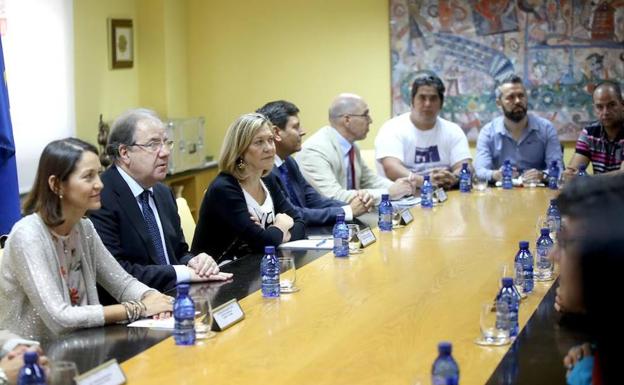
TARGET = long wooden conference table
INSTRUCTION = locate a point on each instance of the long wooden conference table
(371, 318)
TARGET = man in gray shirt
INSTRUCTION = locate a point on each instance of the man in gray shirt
(528, 141)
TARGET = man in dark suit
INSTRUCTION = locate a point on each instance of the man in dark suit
(138, 221)
(315, 208)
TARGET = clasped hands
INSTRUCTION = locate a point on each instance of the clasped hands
(204, 268)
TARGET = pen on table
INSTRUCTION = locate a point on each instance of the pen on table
(321, 242)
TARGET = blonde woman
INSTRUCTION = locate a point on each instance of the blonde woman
(242, 212)
(54, 258)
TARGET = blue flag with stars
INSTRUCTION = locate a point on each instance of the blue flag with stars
(9, 191)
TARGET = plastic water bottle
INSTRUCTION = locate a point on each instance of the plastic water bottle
(553, 217)
(553, 175)
(524, 266)
(507, 175)
(465, 179)
(509, 295)
(426, 193)
(582, 171)
(31, 373)
(445, 370)
(270, 273)
(543, 264)
(341, 235)
(184, 317)
(385, 213)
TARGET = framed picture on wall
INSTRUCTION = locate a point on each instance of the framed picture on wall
(122, 43)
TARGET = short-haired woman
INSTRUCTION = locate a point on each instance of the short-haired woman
(241, 212)
(54, 258)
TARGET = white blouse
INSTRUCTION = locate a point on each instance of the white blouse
(265, 212)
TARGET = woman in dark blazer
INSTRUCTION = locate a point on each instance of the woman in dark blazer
(242, 212)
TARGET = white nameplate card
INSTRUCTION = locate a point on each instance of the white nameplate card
(366, 237)
(406, 217)
(227, 314)
(109, 373)
(440, 195)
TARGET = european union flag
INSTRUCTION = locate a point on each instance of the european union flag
(9, 191)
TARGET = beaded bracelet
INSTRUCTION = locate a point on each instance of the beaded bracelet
(134, 310)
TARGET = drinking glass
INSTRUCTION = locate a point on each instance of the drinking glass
(494, 324)
(542, 223)
(203, 317)
(354, 241)
(480, 184)
(508, 269)
(396, 218)
(63, 373)
(288, 275)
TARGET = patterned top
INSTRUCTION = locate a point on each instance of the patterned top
(68, 253)
(604, 154)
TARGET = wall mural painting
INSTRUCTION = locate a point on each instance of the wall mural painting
(561, 48)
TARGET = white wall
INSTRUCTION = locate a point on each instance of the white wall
(39, 59)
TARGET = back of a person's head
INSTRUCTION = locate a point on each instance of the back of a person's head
(597, 205)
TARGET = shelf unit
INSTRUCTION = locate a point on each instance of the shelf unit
(192, 184)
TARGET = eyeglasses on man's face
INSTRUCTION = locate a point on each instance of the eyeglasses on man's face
(365, 115)
(155, 145)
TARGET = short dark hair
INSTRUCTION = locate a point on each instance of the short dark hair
(124, 127)
(593, 194)
(278, 112)
(610, 84)
(428, 78)
(58, 158)
(597, 203)
(509, 79)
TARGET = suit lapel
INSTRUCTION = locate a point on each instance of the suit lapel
(294, 180)
(336, 149)
(130, 207)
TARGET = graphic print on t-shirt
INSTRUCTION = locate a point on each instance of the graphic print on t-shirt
(426, 155)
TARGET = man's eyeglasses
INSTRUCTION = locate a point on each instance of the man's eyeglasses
(365, 115)
(154, 145)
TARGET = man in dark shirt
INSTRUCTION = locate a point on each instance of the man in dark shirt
(602, 142)
(315, 208)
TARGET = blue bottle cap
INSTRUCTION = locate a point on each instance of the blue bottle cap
(523, 244)
(183, 288)
(445, 347)
(30, 357)
(545, 231)
(582, 167)
(553, 202)
(507, 282)
(385, 197)
(427, 178)
(507, 161)
(269, 249)
(340, 217)
(465, 165)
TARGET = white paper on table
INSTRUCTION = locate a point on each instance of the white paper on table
(410, 201)
(308, 244)
(167, 323)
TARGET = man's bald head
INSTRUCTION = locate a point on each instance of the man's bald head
(344, 104)
(349, 114)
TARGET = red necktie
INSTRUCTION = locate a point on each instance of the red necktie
(352, 167)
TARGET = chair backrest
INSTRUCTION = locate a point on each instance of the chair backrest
(186, 220)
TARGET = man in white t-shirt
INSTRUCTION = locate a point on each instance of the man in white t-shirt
(419, 142)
